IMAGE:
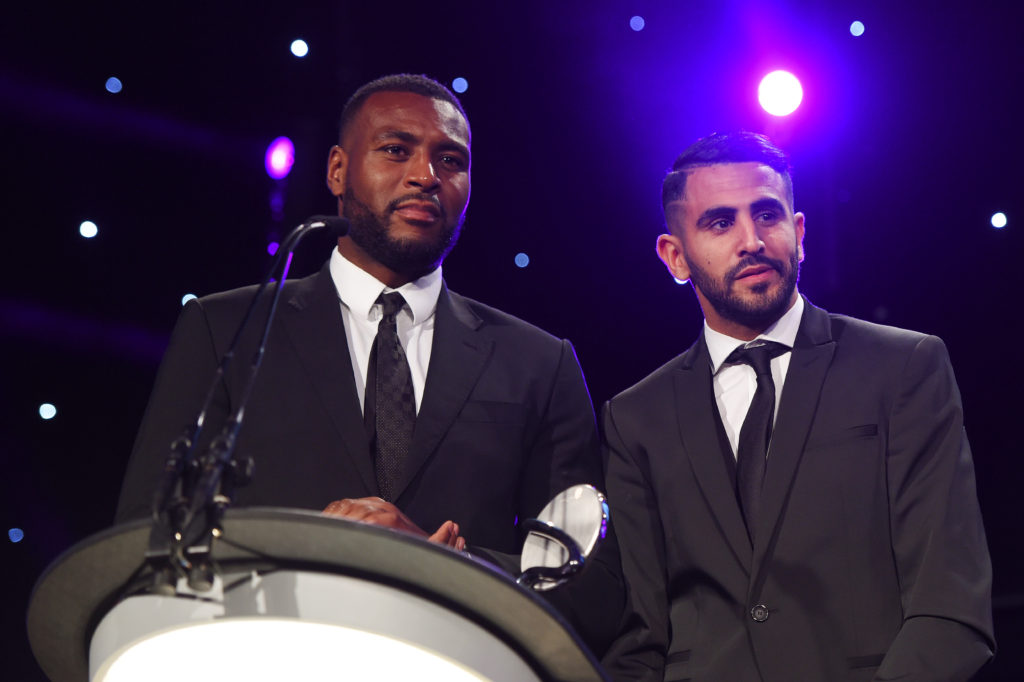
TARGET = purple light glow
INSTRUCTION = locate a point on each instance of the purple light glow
(279, 158)
(272, 248)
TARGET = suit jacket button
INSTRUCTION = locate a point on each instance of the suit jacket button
(759, 613)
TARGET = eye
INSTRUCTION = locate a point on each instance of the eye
(394, 150)
(720, 225)
(453, 162)
(767, 217)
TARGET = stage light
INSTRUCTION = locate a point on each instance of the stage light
(279, 158)
(47, 411)
(460, 84)
(857, 29)
(88, 229)
(188, 297)
(16, 534)
(999, 220)
(272, 248)
(780, 93)
(637, 23)
(114, 85)
(300, 48)
(522, 260)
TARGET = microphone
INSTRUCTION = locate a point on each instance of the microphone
(189, 487)
(335, 224)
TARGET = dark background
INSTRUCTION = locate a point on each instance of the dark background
(905, 145)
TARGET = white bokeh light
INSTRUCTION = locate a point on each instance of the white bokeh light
(88, 229)
(780, 93)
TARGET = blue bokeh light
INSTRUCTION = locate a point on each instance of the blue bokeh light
(47, 411)
(88, 229)
(999, 220)
(188, 297)
(522, 260)
(272, 248)
(299, 48)
(460, 84)
(857, 29)
(15, 534)
(114, 85)
(637, 23)
(280, 158)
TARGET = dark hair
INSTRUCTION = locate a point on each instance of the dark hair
(737, 147)
(399, 82)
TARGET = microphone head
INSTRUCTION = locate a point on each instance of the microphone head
(335, 224)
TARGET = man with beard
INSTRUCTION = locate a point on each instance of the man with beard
(837, 537)
(383, 396)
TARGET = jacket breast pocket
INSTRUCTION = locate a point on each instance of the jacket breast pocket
(834, 438)
(492, 411)
(677, 666)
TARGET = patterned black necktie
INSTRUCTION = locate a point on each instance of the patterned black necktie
(389, 403)
(756, 432)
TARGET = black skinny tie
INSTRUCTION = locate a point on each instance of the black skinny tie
(756, 432)
(390, 405)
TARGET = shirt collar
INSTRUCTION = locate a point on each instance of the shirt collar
(782, 331)
(359, 290)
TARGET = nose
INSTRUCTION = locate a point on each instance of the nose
(421, 174)
(750, 237)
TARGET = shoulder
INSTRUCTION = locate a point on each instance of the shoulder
(659, 382)
(497, 323)
(851, 333)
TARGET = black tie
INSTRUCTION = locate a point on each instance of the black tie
(389, 403)
(756, 432)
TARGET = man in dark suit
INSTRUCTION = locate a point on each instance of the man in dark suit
(498, 415)
(846, 542)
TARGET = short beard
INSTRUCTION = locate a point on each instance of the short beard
(408, 257)
(767, 305)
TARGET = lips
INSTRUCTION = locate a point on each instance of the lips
(754, 271)
(418, 211)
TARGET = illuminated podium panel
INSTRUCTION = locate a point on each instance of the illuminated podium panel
(297, 596)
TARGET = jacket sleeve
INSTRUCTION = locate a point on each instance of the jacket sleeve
(179, 391)
(938, 540)
(638, 651)
(566, 452)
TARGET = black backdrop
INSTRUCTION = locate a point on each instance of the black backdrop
(906, 143)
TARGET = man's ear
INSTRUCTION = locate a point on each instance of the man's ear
(670, 251)
(798, 221)
(337, 167)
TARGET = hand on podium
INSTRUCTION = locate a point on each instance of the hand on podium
(379, 512)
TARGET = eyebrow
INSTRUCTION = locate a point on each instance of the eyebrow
(715, 213)
(406, 136)
(767, 204)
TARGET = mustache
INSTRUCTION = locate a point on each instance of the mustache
(756, 259)
(416, 196)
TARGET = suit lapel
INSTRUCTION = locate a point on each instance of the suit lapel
(697, 420)
(457, 357)
(312, 321)
(808, 366)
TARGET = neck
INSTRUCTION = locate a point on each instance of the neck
(355, 255)
(746, 330)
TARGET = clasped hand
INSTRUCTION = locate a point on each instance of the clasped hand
(382, 513)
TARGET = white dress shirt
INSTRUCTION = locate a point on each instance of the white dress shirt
(358, 291)
(734, 383)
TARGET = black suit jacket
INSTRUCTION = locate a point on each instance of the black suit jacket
(505, 421)
(869, 558)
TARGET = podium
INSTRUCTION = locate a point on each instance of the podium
(297, 589)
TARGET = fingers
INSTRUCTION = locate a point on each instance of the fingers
(380, 512)
(448, 534)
